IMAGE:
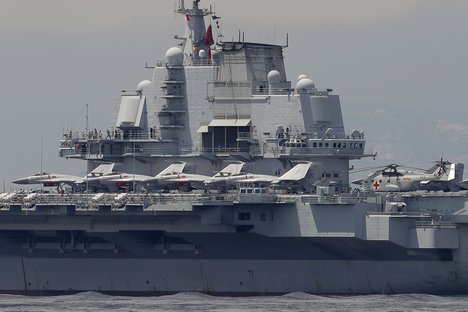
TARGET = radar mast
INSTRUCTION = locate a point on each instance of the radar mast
(197, 39)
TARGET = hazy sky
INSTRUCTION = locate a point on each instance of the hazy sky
(399, 66)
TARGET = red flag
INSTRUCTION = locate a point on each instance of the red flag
(209, 36)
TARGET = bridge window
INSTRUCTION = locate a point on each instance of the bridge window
(243, 216)
(224, 134)
(314, 144)
(326, 144)
(320, 144)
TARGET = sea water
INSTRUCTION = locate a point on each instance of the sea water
(90, 301)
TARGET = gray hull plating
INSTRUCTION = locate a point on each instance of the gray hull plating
(231, 277)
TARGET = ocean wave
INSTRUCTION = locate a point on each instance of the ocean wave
(304, 296)
(188, 301)
(189, 295)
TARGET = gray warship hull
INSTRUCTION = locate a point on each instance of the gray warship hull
(278, 215)
(132, 276)
(58, 249)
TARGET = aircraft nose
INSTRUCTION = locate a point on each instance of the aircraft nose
(21, 181)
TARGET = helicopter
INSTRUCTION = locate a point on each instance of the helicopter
(443, 176)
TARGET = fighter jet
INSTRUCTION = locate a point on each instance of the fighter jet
(443, 176)
(175, 177)
(229, 174)
(48, 179)
(233, 174)
(106, 177)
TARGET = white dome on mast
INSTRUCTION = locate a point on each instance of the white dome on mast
(142, 85)
(174, 57)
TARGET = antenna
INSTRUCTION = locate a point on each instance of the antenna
(133, 168)
(150, 67)
(42, 152)
(287, 41)
(87, 120)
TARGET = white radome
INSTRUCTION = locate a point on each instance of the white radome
(305, 84)
(301, 76)
(174, 57)
(143, 84)
(274, 76)
(202, 54)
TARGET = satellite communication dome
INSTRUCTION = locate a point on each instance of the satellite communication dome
(274, 76)
(305, 84)
(174, 57)
(202, 53)
(302, 76)
(143, 84)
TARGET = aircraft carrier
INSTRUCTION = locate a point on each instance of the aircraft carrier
(289, 222)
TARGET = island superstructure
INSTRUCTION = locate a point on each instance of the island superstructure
(298, 226)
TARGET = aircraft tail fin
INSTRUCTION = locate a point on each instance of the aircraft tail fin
(103, 169)
(296, 173)
(459, 168)
(176, 168)
(232, 169)
(450, 172)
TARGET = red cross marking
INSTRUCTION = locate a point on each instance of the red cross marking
(376, 185)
